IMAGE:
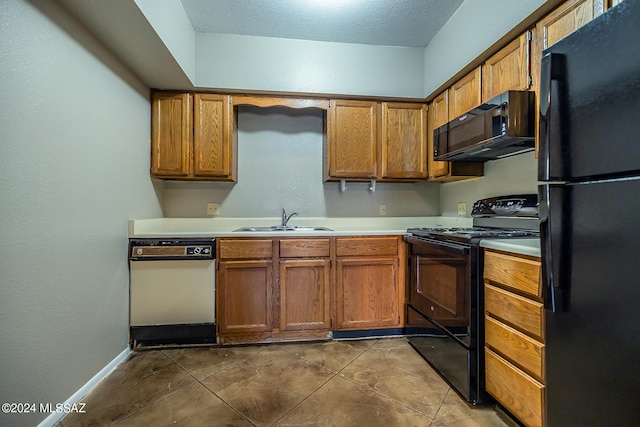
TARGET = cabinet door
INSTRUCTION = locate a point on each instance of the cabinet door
(244, 296)
(367, 293)
(213, 136)
(170, 134)
(562, 21)
(304, 294)
(508, 69)
(438, 116)
(352, 139)
(404, 140)
(446, 171)
(465, 94)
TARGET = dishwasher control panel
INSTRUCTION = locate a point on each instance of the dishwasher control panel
(165, 249)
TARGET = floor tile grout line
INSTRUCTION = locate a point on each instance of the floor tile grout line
(305, 398)
(382, 394)
(339, 374)
(163, 397)
(261, 349)
(379, 393)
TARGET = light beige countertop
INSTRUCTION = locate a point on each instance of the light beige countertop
(520, 246)
(224, 227)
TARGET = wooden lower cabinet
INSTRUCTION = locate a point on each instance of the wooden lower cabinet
(368, 294)
(244, 296)
(305, 295)
(274, 289)
(514, 334)
(514, 389)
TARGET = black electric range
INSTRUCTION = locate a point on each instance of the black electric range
(445, 312)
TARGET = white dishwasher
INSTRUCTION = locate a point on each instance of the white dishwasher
(172, 292)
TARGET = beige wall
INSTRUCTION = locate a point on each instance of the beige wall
(74, 159)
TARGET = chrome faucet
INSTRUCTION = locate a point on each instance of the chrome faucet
(285, 218)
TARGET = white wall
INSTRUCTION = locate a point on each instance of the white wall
(172, 24)
(74, 160)
(472, 29)
(271, 64)
(280, 166)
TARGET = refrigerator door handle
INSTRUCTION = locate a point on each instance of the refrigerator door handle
(555, 246)
(551, 159)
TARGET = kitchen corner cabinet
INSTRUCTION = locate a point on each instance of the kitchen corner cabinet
(376, 140)
(193, 137)
(508, 69)
(514, 334)
(438, 115)
(368, 294)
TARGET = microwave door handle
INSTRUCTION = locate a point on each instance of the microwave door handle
(551, 158)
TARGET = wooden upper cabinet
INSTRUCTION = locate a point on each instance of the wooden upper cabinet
(448, 171)
(404, 140)
(171, 134)
(562, 21)
(192, 137)
(438, 116)
(465, 94)
(352, 139)
(508, 69)
(213, 136)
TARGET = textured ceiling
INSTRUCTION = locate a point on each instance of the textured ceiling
(411, 23)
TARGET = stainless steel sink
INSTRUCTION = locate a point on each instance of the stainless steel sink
(283, 228)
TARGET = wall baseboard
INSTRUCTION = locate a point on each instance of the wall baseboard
(52, 419)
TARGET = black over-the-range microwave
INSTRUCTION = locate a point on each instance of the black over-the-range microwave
(501, 127)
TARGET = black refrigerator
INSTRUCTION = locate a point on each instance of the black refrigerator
(589, 168)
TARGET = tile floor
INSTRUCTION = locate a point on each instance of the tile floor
(377, 382)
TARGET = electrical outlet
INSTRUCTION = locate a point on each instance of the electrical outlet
(383, 209)
(213, 209)
(462, 208)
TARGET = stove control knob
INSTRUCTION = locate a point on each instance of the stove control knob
(139, 251)
(197, 250)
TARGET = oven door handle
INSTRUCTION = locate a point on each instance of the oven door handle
(461, 249)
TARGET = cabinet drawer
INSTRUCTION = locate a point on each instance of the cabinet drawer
(367, 246)
(304, 248)
(244, 249)
(519, 393)
(523, 351)
(521, 313)
(519, 273)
